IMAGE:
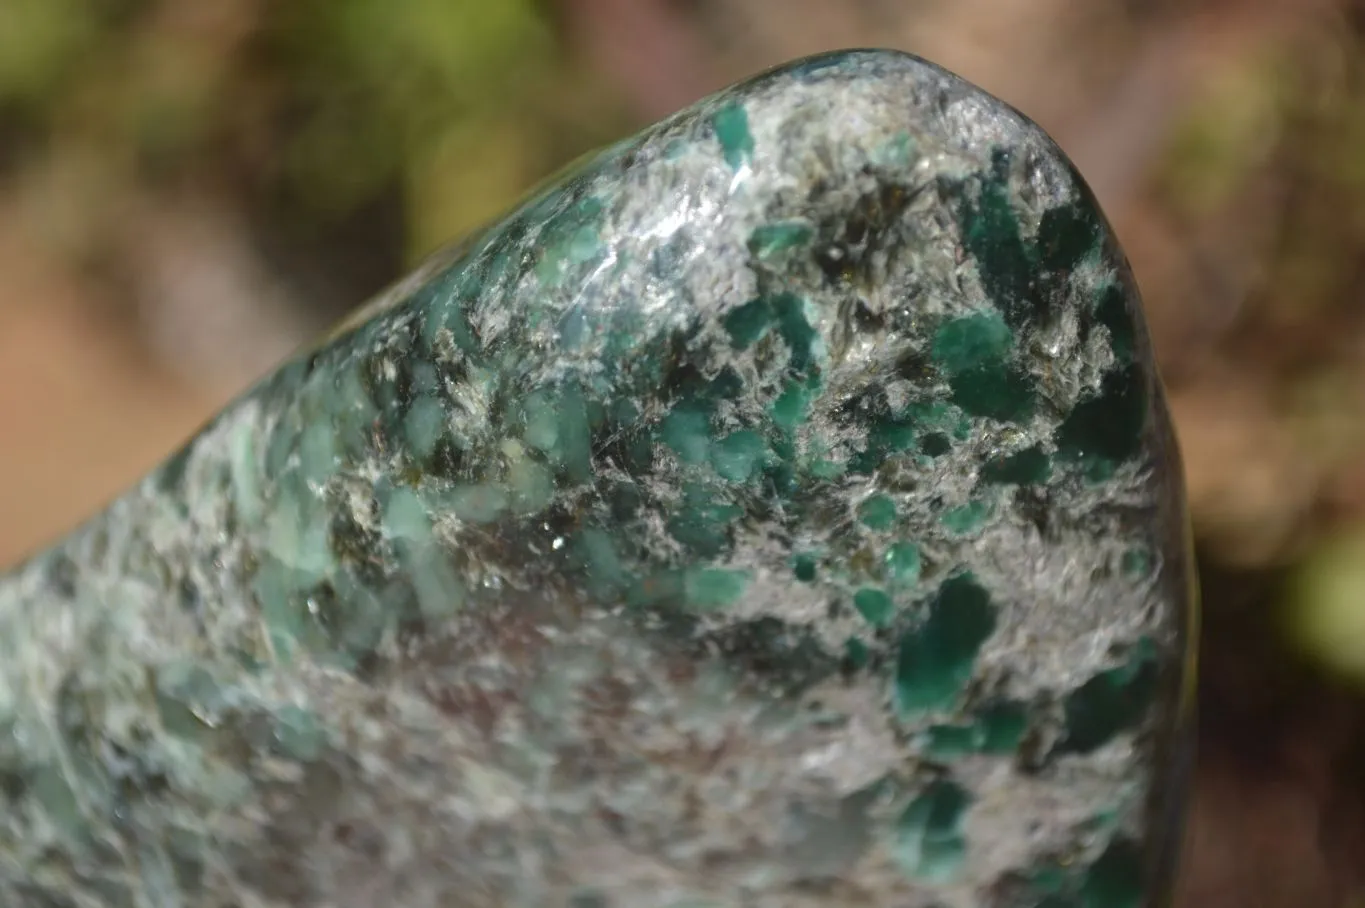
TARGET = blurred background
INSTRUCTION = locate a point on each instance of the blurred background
(191, 188)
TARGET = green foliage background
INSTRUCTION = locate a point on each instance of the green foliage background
(314, 109)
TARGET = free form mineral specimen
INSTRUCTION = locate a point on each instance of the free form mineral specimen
(779, 512)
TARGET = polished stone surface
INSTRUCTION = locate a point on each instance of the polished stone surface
(781, 511)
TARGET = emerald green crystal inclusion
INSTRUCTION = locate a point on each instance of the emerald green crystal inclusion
(874, 605)
(977, 353)
(929, 841)
(877, 512)
(973, 341)
(731, 123)
(934, 662)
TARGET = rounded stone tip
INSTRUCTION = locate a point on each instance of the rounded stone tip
(780, 510)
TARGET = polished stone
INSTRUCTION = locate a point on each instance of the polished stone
(780, 511)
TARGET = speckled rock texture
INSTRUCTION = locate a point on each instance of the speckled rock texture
(779, 512)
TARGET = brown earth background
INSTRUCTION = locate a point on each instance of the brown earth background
(191, 188)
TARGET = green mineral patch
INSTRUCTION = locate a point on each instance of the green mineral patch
(769, 240)
(856, 654)
(748, 322)
(1115, 880)
(874, 605)
(480, 503)
(1137, 562)
(903, 563)
(731, 124)
(793, 405)
(540, 421)
(601, 561)
(711, 588)
(50, 789)
(805, 567)
(1111, 702)
(1027, 467)
(556, 423)
(877, 512)
(991, 235)
(187, 697)
(737, 456)
(972, 341)
(1106, 430)
(702, 521)
(795, 330)
(1067, 234)
(1112, 312)
(570, 237)
(687, 431)
(298, 734)
(966, 518)
(318, 454)
(784, 313)
(423, 426)
(530, 485)
(929, 844)
(936, 660)
(977, 353)
(439, 591)
(995, 729)
(995, 392)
